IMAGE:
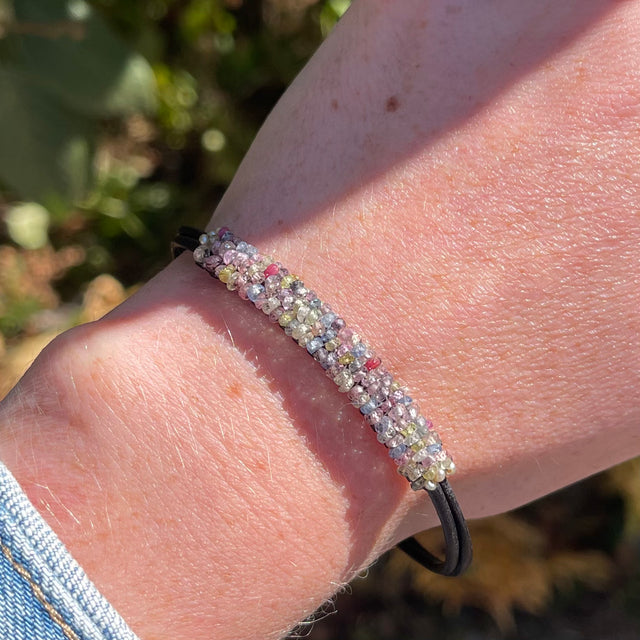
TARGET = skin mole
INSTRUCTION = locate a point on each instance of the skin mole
(392, 104)
(234, 390)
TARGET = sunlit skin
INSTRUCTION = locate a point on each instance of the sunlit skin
(461, 182)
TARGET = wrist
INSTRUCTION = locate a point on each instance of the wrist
(179, 432)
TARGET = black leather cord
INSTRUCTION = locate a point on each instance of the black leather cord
(186, 240)
(458, 550)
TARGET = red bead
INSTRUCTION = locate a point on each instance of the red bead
(271, 270)
(372, 363)
(222, 231)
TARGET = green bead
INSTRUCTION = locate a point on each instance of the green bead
(286, 318)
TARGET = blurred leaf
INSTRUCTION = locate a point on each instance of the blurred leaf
(60, 70)
(6, 14)
(625, 479)
(28, 223)
(16, 314)
(515, 567)
(331, 12)
(66, 48)
(201, 16)
(44, 148)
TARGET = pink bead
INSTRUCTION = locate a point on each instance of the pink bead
(395, 413)
(385, 406)
(374, 417)
(271, 270)
(374, 387)
(372, 363)
(427, 461)
(211, 262)
(334, 370)
(355, 392)
(228, 256)
(359, 377)
(346, 335)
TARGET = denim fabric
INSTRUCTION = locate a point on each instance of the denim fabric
(44, 594)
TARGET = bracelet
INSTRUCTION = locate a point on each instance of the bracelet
(409, 437)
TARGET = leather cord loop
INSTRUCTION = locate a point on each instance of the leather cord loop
(458, 550)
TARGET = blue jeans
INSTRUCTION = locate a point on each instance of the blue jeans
(44, 594)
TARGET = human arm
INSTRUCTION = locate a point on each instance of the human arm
(458, 184)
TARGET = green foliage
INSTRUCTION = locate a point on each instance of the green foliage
(118, 144)
(44, 147)
(16, 314)
(123, 118)
(28, 223)
(332, 11)
(62, 70)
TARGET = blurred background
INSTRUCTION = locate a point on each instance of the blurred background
(121, 119)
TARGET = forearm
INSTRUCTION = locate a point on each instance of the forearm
(193, 441)
(489, 256)
(474, 190)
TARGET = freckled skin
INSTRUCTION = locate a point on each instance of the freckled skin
(484, 237)
(234, 390)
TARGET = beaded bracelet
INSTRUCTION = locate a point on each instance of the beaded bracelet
(409, 437)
